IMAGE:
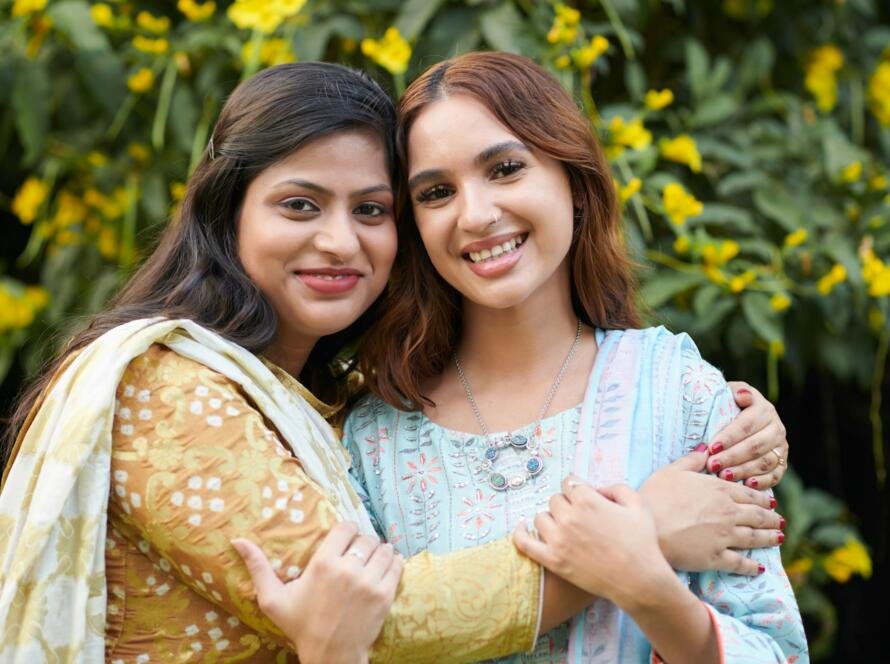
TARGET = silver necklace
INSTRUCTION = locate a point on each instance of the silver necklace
(533, 463)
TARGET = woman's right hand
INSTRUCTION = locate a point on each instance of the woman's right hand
(335, 609)
(702, 520)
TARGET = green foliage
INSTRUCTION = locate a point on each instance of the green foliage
(749, 140)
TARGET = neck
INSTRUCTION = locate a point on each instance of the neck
(289, 352)
(521, 340)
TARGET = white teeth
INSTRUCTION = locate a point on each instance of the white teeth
(496, 251)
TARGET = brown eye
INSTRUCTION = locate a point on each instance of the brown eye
(506, 168)
(434, 193)
(299, 205)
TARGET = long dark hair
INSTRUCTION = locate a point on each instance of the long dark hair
(420, 322)
(195, 272)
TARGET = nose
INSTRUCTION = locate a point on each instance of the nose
(337, 237)
(478, 210)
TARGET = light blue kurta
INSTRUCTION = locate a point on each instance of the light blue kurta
(650, 399)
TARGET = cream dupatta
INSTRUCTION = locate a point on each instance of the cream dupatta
(54, 497)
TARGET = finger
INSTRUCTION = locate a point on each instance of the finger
(571, 482)
(546, 526)
(743, 537)
(767, 480)
(529, 546)
(393, 575)
(758, 518)
(265, 581)
(738, 563)
(755, 447)
(742, 393)
(362, 548)
(380, 561)
(559, 505)
(694, 460)
(621, 494)
(757, 465)
(747, 496)
(337, 540)
(751, 420)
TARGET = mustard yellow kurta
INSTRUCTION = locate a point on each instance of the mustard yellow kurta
(194, 465)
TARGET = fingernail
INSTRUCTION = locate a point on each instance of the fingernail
(781, 537)
(716, 466)
(772, 503)
(760, 569)
(744, 390)
(753, 483)
(716, 447)
(781, 523)
(728, 476)
(701, 447)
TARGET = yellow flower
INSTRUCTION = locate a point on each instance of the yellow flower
(629, 190)
(682, 244)
(585, 56)
(157, 24)
(715, 274)
(659, 99)
(851, 558)
(679, 204)
(107, 243)
(875, 274)
(821, 80)
(563, 62)
(799, 567)
(565, 25)
(102, 15)
(23, 7)
(196, 11)
(779, 302)
(796, 238)
(876, 319)
(96, 159)
(740, 282)
(837, 275)
(153, 46)
(138, 152)
(682, 150)
(631, 134)
(263, 15)
(177, 190)
(391, 52)
(94, 198)
(70, 210)
(879, 93)
(272, 52)
(877, 183)
(141, 81)
(37, 297)
(777, 348)
(29, 198)
(852, 171)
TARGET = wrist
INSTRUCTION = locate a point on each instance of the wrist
(652, 591)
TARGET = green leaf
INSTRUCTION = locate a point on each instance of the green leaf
(103, 75)
(504, 29)
(635, 80)
(311, 40)
(183, 117)
(72, 17)
(735, 183)
(454, 31)
(762, 319)
(414, 15)
(665, 285)
(705, 297)
(774, 203)
(706, 324)
(31, 95)
(713, 110)
(697, 65)
(727, 215)
(757, 63)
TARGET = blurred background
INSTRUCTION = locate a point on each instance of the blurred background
(750, 146)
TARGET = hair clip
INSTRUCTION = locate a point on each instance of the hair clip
(210, 149)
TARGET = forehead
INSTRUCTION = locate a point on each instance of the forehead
(454, 127)
(353, 154)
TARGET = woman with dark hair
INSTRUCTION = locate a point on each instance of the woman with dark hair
(509, 356)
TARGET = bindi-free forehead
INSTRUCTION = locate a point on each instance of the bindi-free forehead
(454, 133)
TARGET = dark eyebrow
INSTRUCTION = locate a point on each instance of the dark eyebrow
(306, 184)
(486, 155)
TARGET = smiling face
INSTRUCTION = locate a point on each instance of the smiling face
(316, 234)
(495, 215)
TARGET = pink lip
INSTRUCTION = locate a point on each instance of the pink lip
(330, 280)
(488, 243)
(496, 267)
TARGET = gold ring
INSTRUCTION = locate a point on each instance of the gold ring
(781, 459)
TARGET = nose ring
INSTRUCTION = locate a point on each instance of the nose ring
(495, 218)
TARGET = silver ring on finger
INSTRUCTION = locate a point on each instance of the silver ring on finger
(572, 484)
(358, 554)
(781, 459)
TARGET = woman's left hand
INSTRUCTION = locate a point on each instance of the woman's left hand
(753, 446)
(602, 540)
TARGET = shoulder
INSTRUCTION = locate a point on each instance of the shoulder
(656, 344)
(369, 412)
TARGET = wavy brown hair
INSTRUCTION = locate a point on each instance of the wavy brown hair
(421, 318)
(195, 271)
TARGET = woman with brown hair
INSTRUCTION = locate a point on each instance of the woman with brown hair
(509, 356)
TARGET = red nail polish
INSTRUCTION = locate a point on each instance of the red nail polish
(781, 537)
(753, 482)
(716, 466)
(772, 503)
(728, 476)
(781, 523)
(760, 568)
(701, 447)
(716, 447)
